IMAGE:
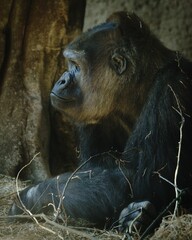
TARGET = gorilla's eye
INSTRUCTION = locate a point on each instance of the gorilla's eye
(74, 65)
(77, 68)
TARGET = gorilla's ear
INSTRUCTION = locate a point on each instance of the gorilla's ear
(118, 63)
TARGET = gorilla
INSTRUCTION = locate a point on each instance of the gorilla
(130, 99)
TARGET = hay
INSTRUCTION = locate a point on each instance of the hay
(172, 228)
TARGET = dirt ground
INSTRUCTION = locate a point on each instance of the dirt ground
(179, 228)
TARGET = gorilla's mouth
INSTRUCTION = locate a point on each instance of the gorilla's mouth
(62, 99)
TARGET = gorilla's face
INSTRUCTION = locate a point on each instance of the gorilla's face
(100, 66)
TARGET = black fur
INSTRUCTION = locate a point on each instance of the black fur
(129, 136)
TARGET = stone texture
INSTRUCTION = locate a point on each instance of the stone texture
(171, 21)
(33, 35)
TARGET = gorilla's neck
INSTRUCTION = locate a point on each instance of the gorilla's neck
(108, 135)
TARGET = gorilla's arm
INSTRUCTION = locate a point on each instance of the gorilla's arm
(95, 196)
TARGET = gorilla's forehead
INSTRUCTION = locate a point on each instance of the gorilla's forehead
(94, 37)
(107, 26)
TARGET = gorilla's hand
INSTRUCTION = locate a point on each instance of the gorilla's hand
(136, 217)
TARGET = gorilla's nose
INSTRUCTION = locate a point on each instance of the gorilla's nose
(65, 80)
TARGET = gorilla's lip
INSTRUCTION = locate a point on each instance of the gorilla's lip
(63, 99)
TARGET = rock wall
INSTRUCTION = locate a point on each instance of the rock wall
(171, 21)
(33, 36)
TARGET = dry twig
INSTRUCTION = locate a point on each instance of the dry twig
(179, 111)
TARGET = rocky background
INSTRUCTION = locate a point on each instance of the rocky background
(171, 21)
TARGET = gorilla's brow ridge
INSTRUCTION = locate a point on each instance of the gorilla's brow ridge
(69, 53)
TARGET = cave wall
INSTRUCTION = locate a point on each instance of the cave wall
(171, 21)
(33, 36)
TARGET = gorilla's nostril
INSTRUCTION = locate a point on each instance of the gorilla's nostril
(65, 79)
(62, 82)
